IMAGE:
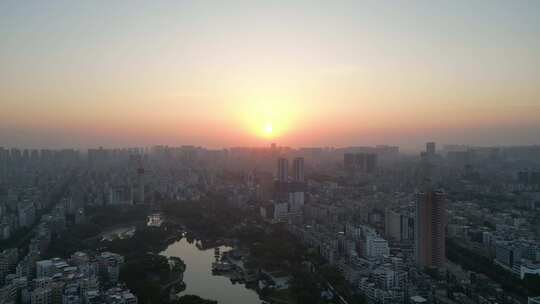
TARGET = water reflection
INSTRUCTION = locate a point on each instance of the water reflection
(199, 279)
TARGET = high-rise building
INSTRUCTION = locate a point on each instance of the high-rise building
(140, 186)
(407, 227)
(8, 260)
(41, 295)
(430, 227)
(288, 194)
(392, 224)
(360, 162)
(136, 165)
(283, 170)
(349, 160)
(44, 268)
(430, 148)
(429, 163)
(398, 226)
(376, 247)
(371, 162)
(298, 169)
(26, 213)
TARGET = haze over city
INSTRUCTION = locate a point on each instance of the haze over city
(269, 152)
(239, 73)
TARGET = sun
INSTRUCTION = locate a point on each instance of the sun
(268, 129)
(266, 120)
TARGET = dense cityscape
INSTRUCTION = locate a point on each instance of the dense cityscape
(457, 224)
(269, 152)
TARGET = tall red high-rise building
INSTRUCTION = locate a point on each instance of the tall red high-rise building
(431, 220)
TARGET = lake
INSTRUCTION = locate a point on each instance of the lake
(199, 279)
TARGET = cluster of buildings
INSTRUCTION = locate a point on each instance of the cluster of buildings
(22, 203)
(378, 216)
(360, 162)
(379, 263)
(139, 176)
(386, 229)
(504, 230)
(288, 198)
(41, 194)
(520, 257)
(33, 280)
(83, 278)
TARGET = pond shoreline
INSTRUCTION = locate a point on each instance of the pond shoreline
(198, 276)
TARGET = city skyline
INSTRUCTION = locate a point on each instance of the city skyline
(269, 152)
(246, 73)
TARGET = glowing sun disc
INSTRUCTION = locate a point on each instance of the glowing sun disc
(268, 129)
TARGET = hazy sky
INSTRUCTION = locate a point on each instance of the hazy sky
(217, 73)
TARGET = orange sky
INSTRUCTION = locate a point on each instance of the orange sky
(80, 74)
